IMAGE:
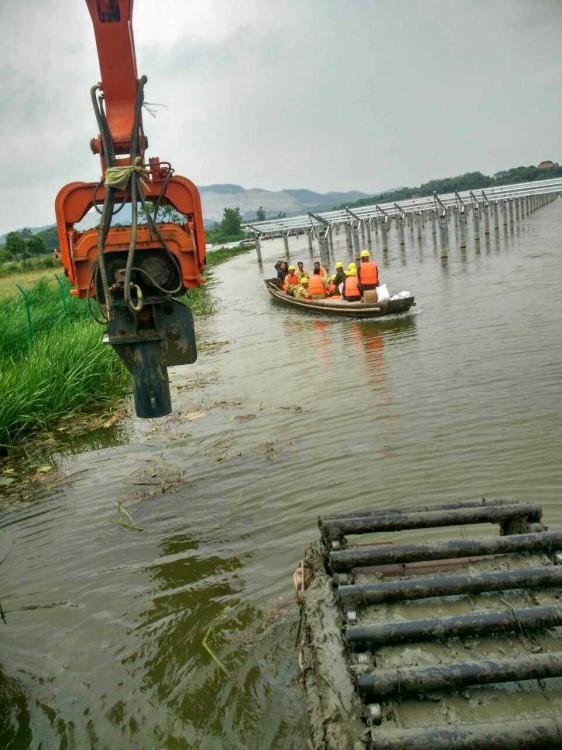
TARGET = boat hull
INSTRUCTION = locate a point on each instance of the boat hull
(340, 308)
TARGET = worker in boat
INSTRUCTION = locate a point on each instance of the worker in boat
(316, 286)
(368, 273)
(351, 291)
(300, 270)
(301, 292)
(282, 271)
(334, 291)
(340, 273)
(321, 269)
(291, 280)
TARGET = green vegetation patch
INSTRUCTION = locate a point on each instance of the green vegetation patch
(53, 361)
(216, 257)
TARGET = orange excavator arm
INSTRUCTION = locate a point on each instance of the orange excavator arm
(113, 29)
(135, 273)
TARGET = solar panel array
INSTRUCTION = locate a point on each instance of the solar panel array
(437, 204)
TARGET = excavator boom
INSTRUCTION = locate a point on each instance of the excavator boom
(113, 30)
(135, 273)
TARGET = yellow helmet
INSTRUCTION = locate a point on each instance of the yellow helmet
(304, 280)
(352, 272)
(351, 265)
(364, 253)
(291, 268)
(339, 264)
(333, 278)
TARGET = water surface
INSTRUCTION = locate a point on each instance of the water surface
(284, 416)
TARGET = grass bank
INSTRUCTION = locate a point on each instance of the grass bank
(52, 360)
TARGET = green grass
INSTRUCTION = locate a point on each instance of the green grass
(12, 267)
(65, 371)
(63, 367)
(46, 311)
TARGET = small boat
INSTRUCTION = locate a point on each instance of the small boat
(340, 307)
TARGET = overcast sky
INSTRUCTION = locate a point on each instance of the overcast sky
(319, 94)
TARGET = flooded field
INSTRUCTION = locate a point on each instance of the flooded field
(180, 633)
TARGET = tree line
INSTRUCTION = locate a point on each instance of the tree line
(467, 181)
(24, 244)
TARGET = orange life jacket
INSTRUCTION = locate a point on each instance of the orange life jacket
(351, 288)
(290, 280)
(316, 285)
(369, 273)
(334, 291)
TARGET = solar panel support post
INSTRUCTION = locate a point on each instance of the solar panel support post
(384, 239)
(348, 237)
(356, 243)
(441, 211)
(462, 235)
(419, 225)
(324, 255)
(355, 221)
(400, 219)
(331, 240)
(486, 212)
(322, 229)
(368, 232)
(309, 237)
(444, 236)
(475, 208)
(257, 237)
(384, 226)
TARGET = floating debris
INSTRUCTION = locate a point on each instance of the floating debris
(124, 518)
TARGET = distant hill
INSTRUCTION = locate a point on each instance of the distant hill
(215, 198)
(290, 201)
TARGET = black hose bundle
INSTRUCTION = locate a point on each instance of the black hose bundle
(135, 195)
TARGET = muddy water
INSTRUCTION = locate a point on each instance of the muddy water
(181, 635)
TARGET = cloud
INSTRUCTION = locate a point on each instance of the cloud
(326, 94)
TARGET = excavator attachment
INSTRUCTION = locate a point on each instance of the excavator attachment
(134, 273)
(150, 343)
